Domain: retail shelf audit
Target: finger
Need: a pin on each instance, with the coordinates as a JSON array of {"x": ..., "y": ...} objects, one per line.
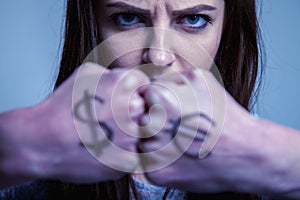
[
  {"x": 87, "y": 78},
  {"x": 124, "y": 92},
  {"x": 130, "y": 80},
  {"x": 161, "y": 94},
  {"x": 154, "y": 121},
  {"x": 182, "y": 77},
  {"x": 172, "y": 76},
  {"x": 136, "y": 106},
  {"x": 125, "y": 104},
  {"x": 158, "y": 152}
]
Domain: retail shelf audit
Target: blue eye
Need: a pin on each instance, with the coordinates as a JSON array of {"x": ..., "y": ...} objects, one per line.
[
  {"x": 195, "y": 21},
  {"x": 126, "y": 19}
]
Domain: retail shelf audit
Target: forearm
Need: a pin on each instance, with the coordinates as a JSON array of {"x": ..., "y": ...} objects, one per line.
[
  {"x": 284, "y": 144},
  {"x": 278, "y": 149}
]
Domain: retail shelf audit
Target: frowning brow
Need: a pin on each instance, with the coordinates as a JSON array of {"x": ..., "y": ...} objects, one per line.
[
  {"x": 128, "y": 8},
  {"x": 194, "y": 9}
]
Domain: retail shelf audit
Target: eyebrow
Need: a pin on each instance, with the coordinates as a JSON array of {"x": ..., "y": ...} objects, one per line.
[
  {"x": 194, "y": 9},
  {"x": 127, "y": 7},
  {"x": 186, "y": 11}
]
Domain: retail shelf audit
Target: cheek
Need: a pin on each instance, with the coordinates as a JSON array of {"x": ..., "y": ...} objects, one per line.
[
  {"x": 210, "y": 44},
  {"x": 210, "y": 41},
  {"x": 211, "y": 48},
  {"x": 131, "y": 59},
  {"x": 201, "y": 55}
]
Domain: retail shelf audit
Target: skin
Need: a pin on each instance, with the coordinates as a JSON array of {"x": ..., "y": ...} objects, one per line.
[
  {"x": 167, "y": 15},
  {"x": 160, "y": 14},
  {"x": 37, "y": 138},
  {"x": 46, "y": 144},
  {"x": 205, "y": 31}
]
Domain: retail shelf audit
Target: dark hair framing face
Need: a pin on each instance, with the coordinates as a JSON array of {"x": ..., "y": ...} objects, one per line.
[
  {"x": 240, "y": 55},
  {"x": 237, "y": 58}
]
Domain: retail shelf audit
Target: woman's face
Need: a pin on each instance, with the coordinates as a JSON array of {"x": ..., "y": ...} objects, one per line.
[{"x": 200, "y": 20}]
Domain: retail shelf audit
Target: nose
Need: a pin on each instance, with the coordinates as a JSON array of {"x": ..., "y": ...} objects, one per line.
[
  {"x": 159, "y": 54},
  {"x": 159, "y": 57}
]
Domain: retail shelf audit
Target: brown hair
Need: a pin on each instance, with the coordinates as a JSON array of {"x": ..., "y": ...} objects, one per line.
[
  {"x": 240, "y": 52},
  {"x": 237, "y": 60}
]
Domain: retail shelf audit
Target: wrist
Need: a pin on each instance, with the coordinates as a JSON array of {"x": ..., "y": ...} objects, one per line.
[
  {"x": 261, "y": 157},
  {"x": 16, "y": 163},
  {"x": 40, "y": 146},
  {"x": 282, "y": 162},
  {"x": 269, "y": 165},
  {"x": 250, "y": 156}
]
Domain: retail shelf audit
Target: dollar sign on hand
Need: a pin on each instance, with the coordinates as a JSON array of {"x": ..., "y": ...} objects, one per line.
[
  {"x": 97, "y": 144},
  {"x": 181, "y": 126}
]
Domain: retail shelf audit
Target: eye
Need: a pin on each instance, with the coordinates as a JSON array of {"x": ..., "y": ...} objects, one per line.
[
  {"x": 127, "y": 20},
  {"x": 195, "y": 22}
]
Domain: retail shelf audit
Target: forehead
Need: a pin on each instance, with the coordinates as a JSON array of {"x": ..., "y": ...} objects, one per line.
[{"x": 168, "y": 4}]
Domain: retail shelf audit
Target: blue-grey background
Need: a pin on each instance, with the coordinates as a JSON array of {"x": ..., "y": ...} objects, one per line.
[{"x": 30, "y": 42}]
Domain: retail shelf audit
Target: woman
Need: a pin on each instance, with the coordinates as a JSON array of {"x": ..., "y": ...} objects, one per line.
[
  {"x": 228, "y": 31},
  {"x": 234, "y": 12}
]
